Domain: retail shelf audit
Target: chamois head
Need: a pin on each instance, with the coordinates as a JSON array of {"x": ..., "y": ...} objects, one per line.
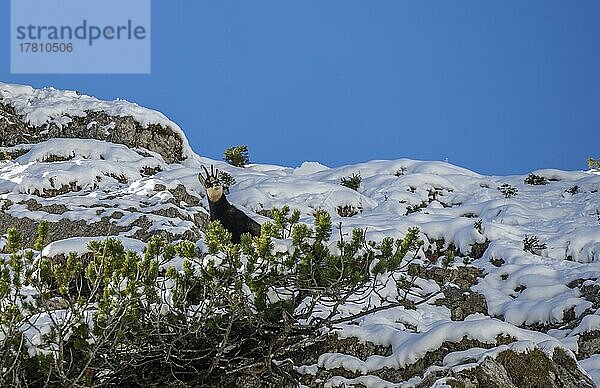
[{"x": 214, "y": 189}]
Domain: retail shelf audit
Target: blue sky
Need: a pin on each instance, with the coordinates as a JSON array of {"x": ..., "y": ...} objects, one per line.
[{"x": 499, "y": 87}]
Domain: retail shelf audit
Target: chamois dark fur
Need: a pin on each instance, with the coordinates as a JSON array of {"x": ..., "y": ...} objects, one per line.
[{"x": 233, "y": 219}]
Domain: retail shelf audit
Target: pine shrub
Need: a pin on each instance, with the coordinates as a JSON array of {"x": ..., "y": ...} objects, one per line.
[
  {"x": 114, "y": 317},
  {"x": 237, "y": 156},
  {"x": 226, "y": 181},
  {"x": 593, "y": 164},
  {"x": 536, "y": 180},
  {"x": 533, "y": 245},
  {"x": 352, "y": 181},
  {"x": 508, "y": 191}
]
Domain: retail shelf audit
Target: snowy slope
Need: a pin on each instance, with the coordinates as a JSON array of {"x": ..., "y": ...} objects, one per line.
[
  {"x": 543, "y": 300},
  {"x": 536, "y": 291}
]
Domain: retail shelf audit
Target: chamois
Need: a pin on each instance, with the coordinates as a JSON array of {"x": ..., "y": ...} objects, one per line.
[{"x": 234, "y": 220}]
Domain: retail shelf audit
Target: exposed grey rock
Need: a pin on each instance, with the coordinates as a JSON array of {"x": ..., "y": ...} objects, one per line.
[
  {"x": 462, "y": 302},
  {"x": 54, "y": 192},
  {"x": 490, "y": 373},
  {"x": 144, "y": 234},
  {"x": 55, "y": 208},
  {"x": 495, "y": 375},
  {"x": 59, "y": 230},
  {"x": 478, "y": 249},
  {"x": 588, "y": 343},
  {"x": 181, "y": 195},
  {"x": 463, "y": 276},
  {"x": 591, "y": 292}
]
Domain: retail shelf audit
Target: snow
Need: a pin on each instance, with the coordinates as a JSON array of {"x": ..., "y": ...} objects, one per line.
[
  {"x": 79, "y": 149},
  {"x": 592, "y": 367},
  {"x": 96, "y": 165},
  {"x": 308, "y": 168},
  {"x": 588, "y": 323},
  {"x": 79, "y": 245},
  {"x": 527, "y": 291},
  {"x": 407, "y": 347},
  {"x": 367, "y": 381}
]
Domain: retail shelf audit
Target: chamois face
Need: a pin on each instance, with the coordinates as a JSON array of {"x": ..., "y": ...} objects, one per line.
[{"x": 214, "y": 189}]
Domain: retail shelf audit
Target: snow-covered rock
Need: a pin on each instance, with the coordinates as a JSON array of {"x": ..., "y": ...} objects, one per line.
[
  {"x": 29, "y": 115},
  {"x": 95, "y": 169}
]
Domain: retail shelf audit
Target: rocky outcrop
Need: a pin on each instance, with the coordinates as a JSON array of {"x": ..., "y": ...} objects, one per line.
[
  {"x": 523, "y": 370},
  {"x": 94, "y": 125},
  {"x": 507, "y": 368}
]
